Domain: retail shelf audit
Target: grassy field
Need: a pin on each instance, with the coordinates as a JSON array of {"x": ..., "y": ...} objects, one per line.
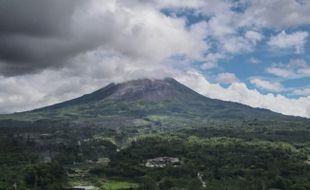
[{"x": 115, "y": 185}]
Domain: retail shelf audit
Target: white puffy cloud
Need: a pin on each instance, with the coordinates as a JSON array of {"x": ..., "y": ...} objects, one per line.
[
  {"x": 210, "y": 61},
  {"x": 275, "y": 13},
  {"x": 254, "y": 36},
  {"x": 239, "y": 92},
  {"x": 142, "y": 32},
  {"x": 226, "y": 78},
  {"x": 301, "y": 91},
  {"x": 223, "y": 28},
  {"x": 296, "y": 68},
  {"x": 295, "y": 40},
  {"x": 236, "y": 45},
  {"x": 208, "y": 65},
  {"x": 26, "y": 92},
  {"x": 267, "y": 85},
  {"x": 253, "y": 60}
]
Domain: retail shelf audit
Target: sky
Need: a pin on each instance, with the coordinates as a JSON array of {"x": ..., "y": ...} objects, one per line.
[{"x": 256, "y": 52}]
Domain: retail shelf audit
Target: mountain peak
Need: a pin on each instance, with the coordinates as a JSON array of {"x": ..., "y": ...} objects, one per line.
[
  {"x": 149, "y": 90},
  {"x": 152, "y": 96},
  {"x": 146, "y": 89}
]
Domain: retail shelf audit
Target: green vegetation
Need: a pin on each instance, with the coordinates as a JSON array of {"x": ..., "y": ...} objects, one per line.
[
  {"x": 115, "y": 185},
  {"x": 224, "y": 163},
  {"x": 235, "y": 155},
  {"x": 106, "y": 143}
]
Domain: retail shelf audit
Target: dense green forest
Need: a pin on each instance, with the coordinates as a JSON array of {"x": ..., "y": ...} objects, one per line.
[
  {"x": 126, "y": 136},
  {"x": 249, "y": 155}
]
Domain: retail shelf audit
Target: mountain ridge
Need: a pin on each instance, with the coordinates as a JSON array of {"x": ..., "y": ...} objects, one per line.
[
  {"x": 144, "y": 98},
  {"x": 121, "y": 91}
]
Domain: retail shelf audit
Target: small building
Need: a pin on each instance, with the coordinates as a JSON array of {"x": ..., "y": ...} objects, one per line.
[
  {"x": 81, "y": 188},
  {"x": 161, "y": 162}
]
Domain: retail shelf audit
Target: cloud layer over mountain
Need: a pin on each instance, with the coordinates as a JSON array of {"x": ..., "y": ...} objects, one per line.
[{"x": 55, "y": 50}]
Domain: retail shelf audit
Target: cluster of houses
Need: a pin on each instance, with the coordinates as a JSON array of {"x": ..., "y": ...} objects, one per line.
[
  {"x": 161, "y": 162},
  {"x": 81, "y": 188}
]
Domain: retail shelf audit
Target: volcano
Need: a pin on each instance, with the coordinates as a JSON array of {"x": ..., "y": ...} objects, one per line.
[{"x": 148, "y": 98}]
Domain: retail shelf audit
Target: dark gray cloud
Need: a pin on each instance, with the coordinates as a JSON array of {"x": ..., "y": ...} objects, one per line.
[
  {"x": 36, "y": 34},
  {"x": 36, "y": 17}
]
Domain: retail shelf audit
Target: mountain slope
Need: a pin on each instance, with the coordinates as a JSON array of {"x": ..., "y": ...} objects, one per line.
[{"x": 144, "y": 98}]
